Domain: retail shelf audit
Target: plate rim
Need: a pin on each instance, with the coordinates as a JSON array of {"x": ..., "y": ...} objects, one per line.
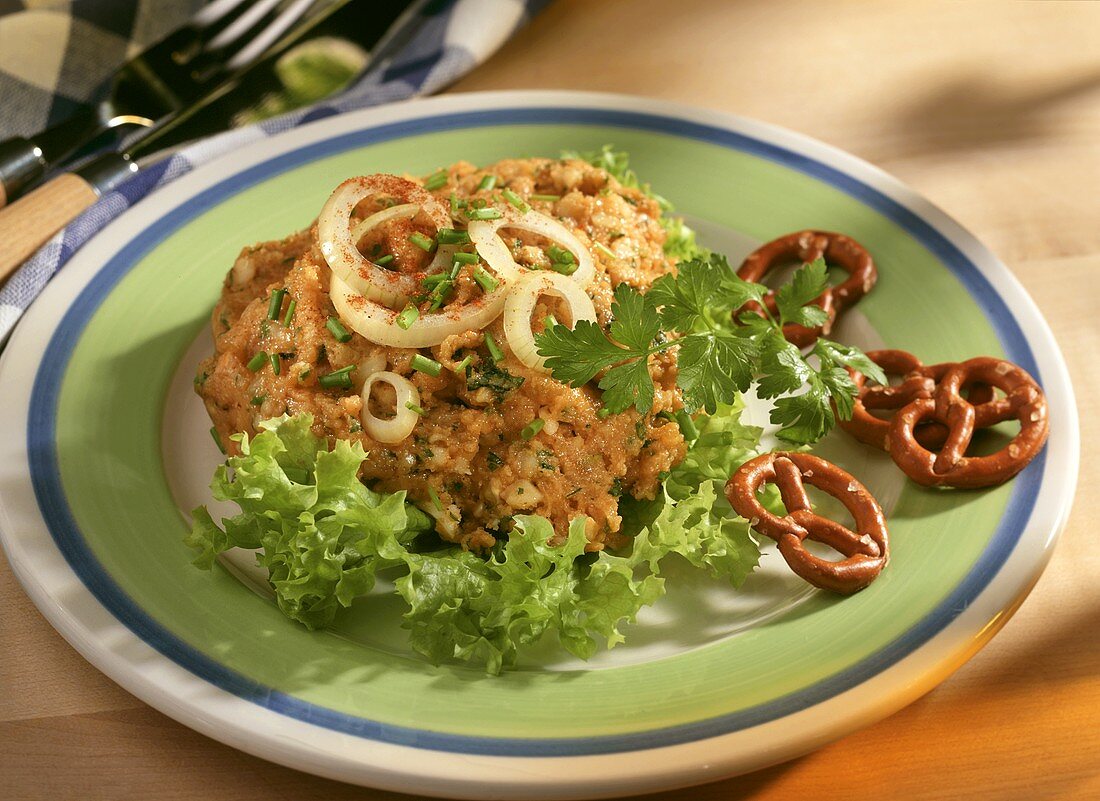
[{"x": 1032, "y": 330}]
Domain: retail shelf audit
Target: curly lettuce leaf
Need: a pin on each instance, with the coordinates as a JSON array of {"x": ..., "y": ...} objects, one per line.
[
  {"x": 323, "y": 536},
  {"x": 486, "y": 610},
  {"x": 320, "y": 532},
  {"x": 692, "y": 516}
]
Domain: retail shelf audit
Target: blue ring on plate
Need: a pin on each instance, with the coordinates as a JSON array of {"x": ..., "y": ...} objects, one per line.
[{"x": 55, "y": 509}]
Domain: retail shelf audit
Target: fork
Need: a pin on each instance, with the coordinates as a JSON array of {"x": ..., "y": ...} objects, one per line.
[{"x": 220, "y": 40}]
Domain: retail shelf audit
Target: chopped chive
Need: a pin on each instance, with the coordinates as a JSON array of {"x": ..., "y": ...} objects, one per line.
[
  {"x": 600, "y": 246},
  {"x": 423, "y": 364},
  {"x": 384, "y": 260},
  {"x": 456, "y": 268},
  {"x": 687, "y": 426},
  {"x": 257, "y": 400},
  {"x": 487, "y": 183},
  {"x": 424, "y": 243},
  {"x": 290, "y": 307},
  {"x": 337, "y": 378},
  {"x": 257, "y": 361},
  {"x": 516, "y": 200},
  {"x": 412, "y": 407},
  {"x": 563, "y": 268},
  {"x": 456, "y": 203},
  {"x": 217, "y": 439},
  {"x": 435, "y": 499},
  {"x": 433, "y": 280},
  {"x": 462, "y": 366},
  {"x": 483, "y": 214},
  {"x": 276, "y": 365},
  {"x": 466, "y": 258},
  {"x": 452, "y": 236},
  {"x": 337, "y": 329},
  {"x": 560, "y": 254},
  {"x": 302, "y": 376},
  {"x": 494, "y": 349},
  {"x": 603, "y": 413},
  {"x": 487, "y": 282},
  {"x": 407, "y": 317},
  {"x": 276, "y": 304},
  {"x": 436, "y": 180},
  {"x": 532, "y": 428},
  {"x": 547, "y": 198}
]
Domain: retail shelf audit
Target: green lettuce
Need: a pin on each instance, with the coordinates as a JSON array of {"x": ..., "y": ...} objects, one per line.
[
  {"x": 485, "y": 610},
  {"x": 323, "y": 536},
  {"x": 319, "y": 531}
]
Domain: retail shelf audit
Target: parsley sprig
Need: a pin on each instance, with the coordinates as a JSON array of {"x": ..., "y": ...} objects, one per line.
[{"x": 717, "y": 356}]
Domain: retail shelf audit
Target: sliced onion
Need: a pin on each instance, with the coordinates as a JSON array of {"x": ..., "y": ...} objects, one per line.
[
  {"x": 484, "y": 234},
  {"x": 338, "y": 243},
  {"x": 378, "y": 324},
  {"x": 395, "y": 429},
  {"x": 406, "y": 211},
  {"x": 521, "y": 303}
]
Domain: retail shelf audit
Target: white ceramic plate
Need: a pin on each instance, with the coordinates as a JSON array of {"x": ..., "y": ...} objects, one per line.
[{"x": 105, "y": 449}]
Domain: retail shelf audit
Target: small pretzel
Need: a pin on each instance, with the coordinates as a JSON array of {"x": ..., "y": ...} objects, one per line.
[
  {"x": 806, "y": 246},
  {"x": 918, "y": 381},
  {"x": 950, "y": 465},
  {"x": 866, "y": 550}
]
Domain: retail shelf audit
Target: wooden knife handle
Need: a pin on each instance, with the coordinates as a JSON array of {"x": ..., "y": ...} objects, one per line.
[{"x": 26, "y": 224}]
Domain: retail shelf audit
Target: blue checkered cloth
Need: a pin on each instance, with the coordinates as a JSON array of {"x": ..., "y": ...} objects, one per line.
[{"x": 455, "y": 36}]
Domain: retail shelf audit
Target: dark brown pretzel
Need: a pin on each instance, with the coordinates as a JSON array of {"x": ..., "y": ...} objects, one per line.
[
  {"x": 806, "y": 246},
  {"x": 866, "y": 550},
  {"x": 950, "y": 466},
  {"x": 918, "y": 381}
]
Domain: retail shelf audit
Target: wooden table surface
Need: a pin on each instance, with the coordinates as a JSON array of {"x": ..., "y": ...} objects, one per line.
[{"x": 992, "y": 110}]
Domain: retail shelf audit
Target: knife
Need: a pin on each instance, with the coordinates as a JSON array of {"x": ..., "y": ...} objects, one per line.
[{"x": 380, "y": 30}]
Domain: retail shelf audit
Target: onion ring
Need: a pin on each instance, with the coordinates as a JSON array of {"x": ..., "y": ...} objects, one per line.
[
  {"x": 485, "y": 236},
  {"x": 521, "y": 303},
  {"x": 338, "y": 243},
  {"x": 378, "y": 324},
  {"x": 395, "y": 429}
]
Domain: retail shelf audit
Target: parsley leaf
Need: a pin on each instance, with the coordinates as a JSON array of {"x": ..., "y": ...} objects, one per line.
[
  {"x": 717, "y": 358},
  {"x": 702, "y": 286},
  {"x": 809, "y": 281},
  {"x": 782, "y": 368},
  {"x": 713, "y": 369},
  {"x": 635, "y": 323},
  {"x": 575, "y": 356},
  {"x": 628, "y": 385},
  {"x": 804, "y": 418},
  {"x": 833, "y": 352}
]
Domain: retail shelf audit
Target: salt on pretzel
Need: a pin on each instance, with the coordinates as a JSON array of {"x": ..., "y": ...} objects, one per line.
[
  {"x": 917, "y": 381},
  {"x": 950, "y": 466},
  {"x": 804, "y": 247},
  {"x": 865, "y": 550}
]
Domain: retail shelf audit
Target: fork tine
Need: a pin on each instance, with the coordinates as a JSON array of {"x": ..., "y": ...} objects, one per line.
[
  {"x": 242, "y": 25},
  {"x": 214, "y": 12},
  {"x": 267, "y": 37}
]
